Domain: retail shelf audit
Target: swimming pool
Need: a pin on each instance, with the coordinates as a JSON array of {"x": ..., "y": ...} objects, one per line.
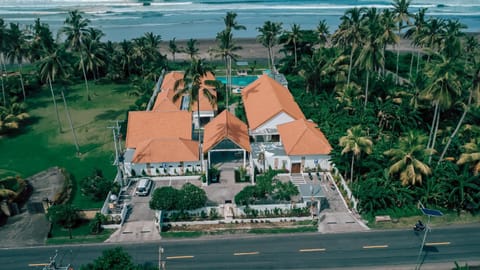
[{"x": 240, "y": 81}]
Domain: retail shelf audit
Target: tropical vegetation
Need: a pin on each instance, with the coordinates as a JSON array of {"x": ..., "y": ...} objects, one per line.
[{"x": 403, "y": 125}]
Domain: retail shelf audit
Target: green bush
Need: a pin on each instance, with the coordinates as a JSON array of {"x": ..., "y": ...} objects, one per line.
[{"x": 190, "y": 197}]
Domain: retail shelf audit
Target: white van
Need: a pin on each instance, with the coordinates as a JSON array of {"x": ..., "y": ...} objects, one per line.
[{"x": 143, "y": 187}]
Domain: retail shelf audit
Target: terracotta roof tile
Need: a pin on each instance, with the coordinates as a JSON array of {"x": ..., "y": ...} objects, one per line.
[
  {"x": 226, "y": 125},
  {"x": 164, "y": 105},
  {"x": 168, "y": 91},
  {"x": 302, "y": 137},
  {"x": 266, "y": 98},
  {"x": 143, "y": 125},
  {"x": 166, "y": 150}
]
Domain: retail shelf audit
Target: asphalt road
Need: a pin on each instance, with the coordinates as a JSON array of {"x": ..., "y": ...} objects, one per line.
[{"x": 295, "y": 251}]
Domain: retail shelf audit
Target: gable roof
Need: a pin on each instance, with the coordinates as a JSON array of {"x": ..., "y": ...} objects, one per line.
[
  {"x": 143, "y": 125},
  {"x": 266, "y": 98},
  {"x": 166, "y": 150},
  {"x": 226, "y": 126},
  {"x": 302, "y": 137},
  {"x": 168, "y": 91}
]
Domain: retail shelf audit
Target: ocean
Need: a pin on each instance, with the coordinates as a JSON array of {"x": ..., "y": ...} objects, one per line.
[{"x": 202, "y": 19}]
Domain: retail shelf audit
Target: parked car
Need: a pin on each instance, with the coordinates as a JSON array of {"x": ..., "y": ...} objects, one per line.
[{"x": 143, "y": 187}]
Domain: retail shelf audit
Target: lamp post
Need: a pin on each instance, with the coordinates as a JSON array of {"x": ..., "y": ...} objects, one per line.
[{"x": 429, "y": 213}]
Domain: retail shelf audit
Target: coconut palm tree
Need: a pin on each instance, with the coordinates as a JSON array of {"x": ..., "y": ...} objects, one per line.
[
  {"x": 226, "y": 50},
  {"x": 443, "y": 88},
  {"x": 349, "y": 34},
  {"x": 17, "y": 50},
  {"x": 50, "y": 66},
  {"x": 192, "y": 48},
  {"x": 388, "y": 35},
  {"x": 323, "y": 33},
  {"x": 268, "y": 37},
  {"x": 451, "y": 45},
  {"x": 400, "y": 8},
  {"x": 94, "y": 52},
  {"x": 408, "y": 158},
  {"x": 415, "y": 33},
  {"x": 371, "y": 57},
  {"x": 191, "y": 86},
  {"x": 355, "y": 142},
  {"x": 53, "y": 66},
  {"x": 230, "y": 22},
  {"x": 474, "y": 94},
  {"x": 3, "y": 42},
  {"x": 76, "y": 32},
  {"x": 41, "y": 39},
  {"x": 173, "y": 48},
  {"x": 11, "y": 116},
  {"x": 471, "y": 155},
  {"x": 125, "y": 57},
  {"x": 293, "y": 36}
]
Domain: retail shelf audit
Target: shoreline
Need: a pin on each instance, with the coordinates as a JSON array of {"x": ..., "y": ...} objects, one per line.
[{"x": 252, "y": 50}]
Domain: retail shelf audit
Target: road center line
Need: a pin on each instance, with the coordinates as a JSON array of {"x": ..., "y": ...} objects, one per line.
[
  {"x": 245, "y": 253},
  {"x": 38, "y": 264},
  {"x": 312, "y": 250},
  {"x": 437, "y": 244},
  {"x": 180, "y": 257},
  {"x": 379, "y": 246}
]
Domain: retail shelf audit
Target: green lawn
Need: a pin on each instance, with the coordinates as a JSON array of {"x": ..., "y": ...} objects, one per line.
[
  {"x": 40, "y": 145},
  {"x": 80, "y": 234}
]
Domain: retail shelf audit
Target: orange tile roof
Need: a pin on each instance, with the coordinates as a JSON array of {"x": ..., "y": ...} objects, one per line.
[
  {"x": 143, "y": 125},
  {"x": 166, "y": 150},
  {"x": 164, "y": 105},
  {"x": 226, "y": 126},
  {"x": 302, "y": 137},
  {"x": 266, "y": 98},
  {"x": 168, "y": 91}
]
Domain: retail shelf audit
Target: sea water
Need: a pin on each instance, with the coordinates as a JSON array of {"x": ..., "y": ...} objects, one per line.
[{"x": 199, "y": 19}]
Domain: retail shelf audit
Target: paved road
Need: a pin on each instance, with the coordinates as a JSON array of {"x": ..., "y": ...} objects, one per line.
[{"x": 297, "y": 251}]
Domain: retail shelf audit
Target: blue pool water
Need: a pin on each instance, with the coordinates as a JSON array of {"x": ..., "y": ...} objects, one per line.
[{"x": 240, "y": 81}]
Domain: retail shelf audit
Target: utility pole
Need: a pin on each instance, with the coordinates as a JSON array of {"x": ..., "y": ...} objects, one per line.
[{"x": 118, "y": 148}]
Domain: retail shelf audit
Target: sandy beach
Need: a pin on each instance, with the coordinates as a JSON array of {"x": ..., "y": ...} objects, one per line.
[{"x": 251, "y": 49}]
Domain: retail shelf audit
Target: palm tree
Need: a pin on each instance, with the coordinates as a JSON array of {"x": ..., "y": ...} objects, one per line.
[
  {"x": 226, "y": 49},
  {"x": 357, "y": 143},
  {"x": 76, "y": 33},
  {"x": 388, "y": 36},
  {"x": 443, "y": 88},
  {"x": 474, "y": 93},
  {"x": 94, "y": 52},
  {"x": 268, "y": 37},
  {"x": 471, "y": 155},
  {"x": 400, "y": 8},
  {"x": 451, "y": 45},
  {"x": 371, "y": 57},
  {"x": 40, "y": 38},
  {"x": 349, "y": 33},
  {"x": 408, "y": 158},
  {"x": 125, "y": 57},
  {"x": 17, "y": 50},
  {"x": 192, "y": 86},
  {"x": 192, "y": 48},
  {"x": 322, "y": 32},
  {"x": 293, "y": 36},
  {"x": 415, "y": 32},
  {"x": 11, "y": 116},
  {"x": 53, "y": 66},
  {"x": 49, "y": 67},
  {"x": 230, "y": 22},
  {"x": 172, "y": 46}
]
